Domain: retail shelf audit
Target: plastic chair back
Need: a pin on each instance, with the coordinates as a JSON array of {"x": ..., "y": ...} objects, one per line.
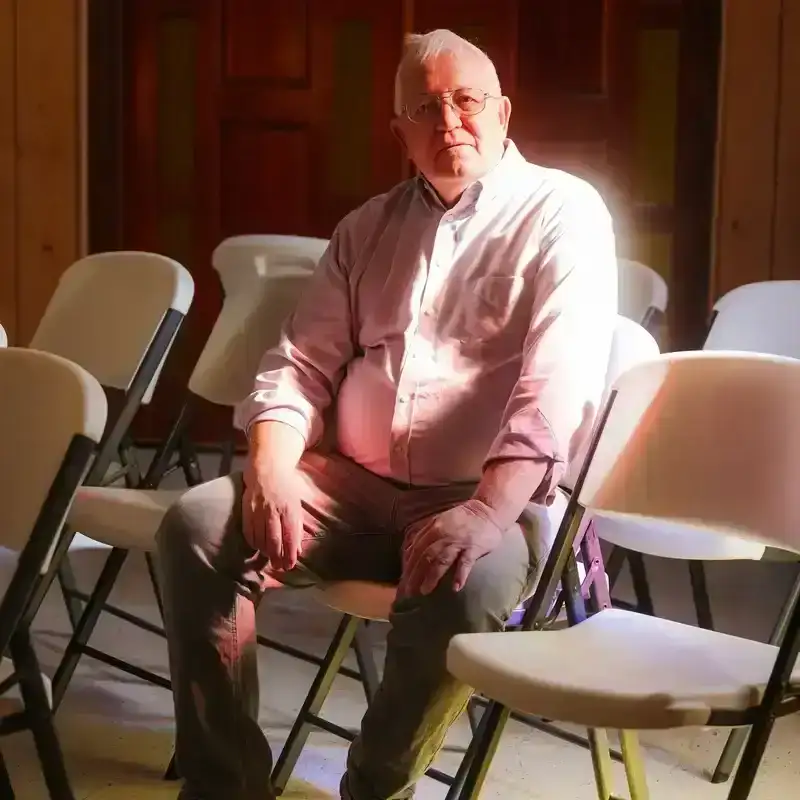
[
  {"x": 262, "y": 278},
  {"x": 107, "y": 309},
  {"x": 701, "y": 451}
]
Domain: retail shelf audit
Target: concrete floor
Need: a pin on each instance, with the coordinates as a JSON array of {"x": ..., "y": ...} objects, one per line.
[{"x": 117, "y": 731}]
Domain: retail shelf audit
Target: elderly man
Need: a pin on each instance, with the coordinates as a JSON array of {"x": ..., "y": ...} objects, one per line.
[{"x": 445, "y": 360}]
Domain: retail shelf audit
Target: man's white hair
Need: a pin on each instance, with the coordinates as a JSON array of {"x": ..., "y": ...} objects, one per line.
[{"x": 423, "y": 47}]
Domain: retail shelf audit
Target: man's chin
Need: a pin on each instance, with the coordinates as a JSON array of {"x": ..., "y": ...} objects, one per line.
[{"x": 456, "y": 162}]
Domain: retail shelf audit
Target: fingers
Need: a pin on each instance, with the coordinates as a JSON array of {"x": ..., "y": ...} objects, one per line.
[
  {"x": 464, "y": 565},
  {"x": 254, "y": 526},
  {"x": 273, "y": 544},
  {"x": 437, "y": 569},
  {"x": 248, "y": 520},
  {"x": 292, "y": 536},
  {"x": 422, "y": 573}
]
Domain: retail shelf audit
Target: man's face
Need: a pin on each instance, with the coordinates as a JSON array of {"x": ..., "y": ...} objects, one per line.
[{"x": 450, "y": 144}]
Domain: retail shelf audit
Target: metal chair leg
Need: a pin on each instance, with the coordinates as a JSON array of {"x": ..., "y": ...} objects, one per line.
[
  {"x": 69, "y": 588},
  {"x": 614, "y": 565},
  {"x": 634, "y": 765},
  {"x": 187, "y": 455},
  {"x": 87, "y": 624},
  {"x": 365, "y": 658},
  {"x": 172, "y": 773},
  {"x": 601, "y": 762},
  {"x": 702, "y": 602},
  {"x": 738, "y": 736},
  {"x": 481, "y": 752},
  {"x": 474, "y": 715},
  {"x": 6, "y": 789},
  {"x": 320, "y": 689},
  {"x": 152, "y": 571},
  {"x": 641, "y": 587},
  {"x": 40, "y": 716}
]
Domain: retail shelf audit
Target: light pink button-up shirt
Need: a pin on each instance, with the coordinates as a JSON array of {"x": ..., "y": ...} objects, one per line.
[{"x": 439, "y": 339}]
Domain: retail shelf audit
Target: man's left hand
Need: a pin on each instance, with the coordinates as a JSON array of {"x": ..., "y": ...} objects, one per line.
[{"x": 454, "y": 539}]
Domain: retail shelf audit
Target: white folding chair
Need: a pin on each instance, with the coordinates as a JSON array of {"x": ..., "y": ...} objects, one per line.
[
  {"x": 261, "y": 283},
  {"x": 46, "y": 451},
  {"x": 642, "y": 294},
  {"x": 116, "y": 315},
  {"x": 760, "y": 318},
  {"x": 628, "y": 671},
  {"x": 363, "y": 601}
]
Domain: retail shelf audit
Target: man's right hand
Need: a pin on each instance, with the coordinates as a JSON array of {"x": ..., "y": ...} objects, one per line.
[{"x": 272, "y": 512}]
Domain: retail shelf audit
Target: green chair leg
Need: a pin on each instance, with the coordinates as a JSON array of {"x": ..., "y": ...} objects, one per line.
[
  {"x": 631, "y": 758},
  {"x": 634, "y": 765}
]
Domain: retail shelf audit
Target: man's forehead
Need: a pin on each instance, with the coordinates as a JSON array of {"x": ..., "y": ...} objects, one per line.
[{"x": 449, "y": 71}]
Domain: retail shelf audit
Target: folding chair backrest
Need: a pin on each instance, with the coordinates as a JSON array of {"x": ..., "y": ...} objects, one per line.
[
  {"x": 759, "y": 317},
  {"x": 107, "y": 310},
  {"x": 52, "y": 415},
  {"x": 701, "y": 444},
  {"x": 262, "y": 278},
  {"x": 3, "y": 337},
  {"x": 642, "y": 292},
  {"x": 631, "y": 345}
]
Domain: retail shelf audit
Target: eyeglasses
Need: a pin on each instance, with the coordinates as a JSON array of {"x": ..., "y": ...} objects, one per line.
[{"x": 465, "y": 102}]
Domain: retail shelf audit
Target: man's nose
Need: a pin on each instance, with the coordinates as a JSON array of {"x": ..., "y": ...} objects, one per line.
[{"x": 448, "y": 117}]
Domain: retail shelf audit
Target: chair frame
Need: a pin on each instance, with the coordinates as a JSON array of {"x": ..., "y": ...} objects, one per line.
[
  {"x": 354, "y": 632},
  {"x": 777, "y": 701},
  {"x": 705, "y": 619},
  {"x": 18, "y": 608},
  {"x": 115, "y": 437}
]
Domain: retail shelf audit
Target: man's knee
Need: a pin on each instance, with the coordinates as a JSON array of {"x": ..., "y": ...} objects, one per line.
[
  {"x": 196, "y": 524},
  {"x": 495, "y": 586}
]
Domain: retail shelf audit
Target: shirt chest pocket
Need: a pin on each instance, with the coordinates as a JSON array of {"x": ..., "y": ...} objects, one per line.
[{"x": 491, "y": 310}]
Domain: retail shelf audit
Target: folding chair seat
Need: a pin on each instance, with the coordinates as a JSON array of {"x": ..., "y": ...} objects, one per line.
[
  {"x": 628, "y": 671},
  {"x": 46, "y": 453}
]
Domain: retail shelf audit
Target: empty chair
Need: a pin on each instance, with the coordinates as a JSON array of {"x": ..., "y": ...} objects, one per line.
[
  {"x": 261, "y": 277},
  {"x": 758, "y": 317},
  {"x": 643, "y": 294},
  {"x": 261, "y": 283},
  {"x": 629, "y": 671},
  {"x": 45, "y": 453},
  {"x": 360, "y": 601},
  {"x": 116, "y": 315}
]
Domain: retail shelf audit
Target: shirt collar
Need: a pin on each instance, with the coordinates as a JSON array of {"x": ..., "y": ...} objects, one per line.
[{"x": 485, "y": 189}]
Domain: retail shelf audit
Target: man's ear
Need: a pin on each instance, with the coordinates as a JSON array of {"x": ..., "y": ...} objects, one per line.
[
  {"x": 505, "y": 112},
  {"x": 397, "y": 131}
]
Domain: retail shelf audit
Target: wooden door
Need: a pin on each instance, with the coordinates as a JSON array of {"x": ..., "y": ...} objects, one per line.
[
  {"x": 251, "y": 116},
  {"x": 268, "y": 116}
]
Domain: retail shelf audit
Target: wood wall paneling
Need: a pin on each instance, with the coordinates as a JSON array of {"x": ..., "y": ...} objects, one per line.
[
  {"x": 256, "y": 158},
  {"x": 8, "y": 168},
  {"x": 266, "y": 40},
  {"x": 49, "y": 171},
  {"x": 747, "y": 163},
  {"x": 786, "y": 229}
]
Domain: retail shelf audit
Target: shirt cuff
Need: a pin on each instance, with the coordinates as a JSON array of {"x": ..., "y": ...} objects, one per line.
[{"x": 310, "y": 431}]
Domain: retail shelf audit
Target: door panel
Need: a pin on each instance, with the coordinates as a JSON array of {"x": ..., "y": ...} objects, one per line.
[{"x": 267, "y": 116}]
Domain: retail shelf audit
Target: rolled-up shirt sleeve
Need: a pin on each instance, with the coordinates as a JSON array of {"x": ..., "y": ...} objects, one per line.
[
  {"x": 553, "y": 405},
  {"x": 298, "y": 378}
]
